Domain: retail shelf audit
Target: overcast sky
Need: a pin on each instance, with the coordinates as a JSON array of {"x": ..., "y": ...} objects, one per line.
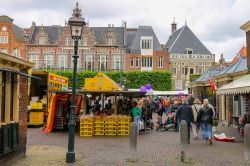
[{"x": 215, "y": 22}]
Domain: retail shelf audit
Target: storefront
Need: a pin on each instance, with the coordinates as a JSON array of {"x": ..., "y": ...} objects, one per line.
[
  {"x": 13, "y": 107},
  {"x": 239, "y": 90}
]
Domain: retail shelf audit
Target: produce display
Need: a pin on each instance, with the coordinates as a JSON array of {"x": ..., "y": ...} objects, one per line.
[{"x": 105, "y": 125}]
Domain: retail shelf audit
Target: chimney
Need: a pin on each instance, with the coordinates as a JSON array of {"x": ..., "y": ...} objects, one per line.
[
  {"x": 246, "y": 28},
  {"x": 173, "y": 26}
]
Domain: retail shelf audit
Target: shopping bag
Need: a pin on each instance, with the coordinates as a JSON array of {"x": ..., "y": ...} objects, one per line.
[{"x": 141, "y": 125}]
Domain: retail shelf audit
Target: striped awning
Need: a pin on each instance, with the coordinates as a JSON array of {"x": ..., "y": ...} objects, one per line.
[{"x": 239, "y": 86}]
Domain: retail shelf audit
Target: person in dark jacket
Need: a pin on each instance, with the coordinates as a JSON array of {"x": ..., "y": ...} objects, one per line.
[
  {"x": 190, "y": 100},
  {"x": 205, "y": 118},
  {"x": 184, "y": 112}
]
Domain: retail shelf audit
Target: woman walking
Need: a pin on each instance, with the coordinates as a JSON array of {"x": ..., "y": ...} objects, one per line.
[
  {"x": 205, "y": 118},
  {"x": 136, "y": 113},
  {"x": 196, "y": 108}
]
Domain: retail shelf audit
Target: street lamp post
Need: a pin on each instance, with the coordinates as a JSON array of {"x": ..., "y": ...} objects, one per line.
[{"x": 76, "y": 23}]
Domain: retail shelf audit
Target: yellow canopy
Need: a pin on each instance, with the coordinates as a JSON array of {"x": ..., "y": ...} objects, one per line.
[{"x": 101, "y": 82}]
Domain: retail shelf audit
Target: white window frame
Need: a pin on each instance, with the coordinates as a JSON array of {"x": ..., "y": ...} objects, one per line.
[
  {"x": 89, "y": 61},
  {"x": 3, "y": 39},
  {"x": 67, "y": 41},
  {"x": 103, "y": 61},
  {"x": 146, "y": 45},
  {"x": 110, "y": 41},
  {"x": 137, "y": 62},
  {"x": 42, "y": 40},
  {"x": 34, "y": 58},
  {"x": 48, "y": 60},
  {"x": 131, "y": 62},
  {"x": 16, "y": 52},
  {"x": 116, "y": 62},
  {"x": 147, "y": 62},
  {"x": 160, "y": 62},
  {"x": 62, "y": 61}
]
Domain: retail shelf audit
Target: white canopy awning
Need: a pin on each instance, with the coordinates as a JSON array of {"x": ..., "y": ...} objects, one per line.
[{"x": 239, "y": 86}]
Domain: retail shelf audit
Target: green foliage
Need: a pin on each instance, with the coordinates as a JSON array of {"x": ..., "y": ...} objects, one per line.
[
  {"x": 193, "y": 77},
  {"x": 160, "y": 80}
]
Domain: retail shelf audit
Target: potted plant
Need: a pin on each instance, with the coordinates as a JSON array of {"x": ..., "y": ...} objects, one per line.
[{"x": 214, "y": 125}]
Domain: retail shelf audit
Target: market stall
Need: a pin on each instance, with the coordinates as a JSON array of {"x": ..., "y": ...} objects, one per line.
[{"x": 105, "y": 121}]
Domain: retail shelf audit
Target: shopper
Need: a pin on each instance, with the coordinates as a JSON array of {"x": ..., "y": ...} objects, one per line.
[
  {"x": 184, "y": 112},
  {"x": 196, "y": 108},
  {"x": 160, "y": 108},
  {"x": 190, "y": 100},
  {"x": 205, "y": 118},
  {"x": 136, "y": 113}
]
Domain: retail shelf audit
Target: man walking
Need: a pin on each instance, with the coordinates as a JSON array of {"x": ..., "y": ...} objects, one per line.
[{"x": 184, "y": 112}]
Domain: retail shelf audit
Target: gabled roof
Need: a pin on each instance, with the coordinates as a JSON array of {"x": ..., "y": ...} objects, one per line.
[
  {"x": 19, "y": 32},
  {"x": 241, "y": 65},
  {"x": 134, "y": 39},
  {"x": 184, "y": 38},
  {"x": 52, "y": 32},
  {"x": 100, "y": 32}
]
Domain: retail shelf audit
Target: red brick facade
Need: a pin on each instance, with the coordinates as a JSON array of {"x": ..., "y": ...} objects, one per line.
[{"x": 7, "y": 28}]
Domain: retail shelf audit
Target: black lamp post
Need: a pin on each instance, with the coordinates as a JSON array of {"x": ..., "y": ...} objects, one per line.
[{"x": 76, "y": 23}]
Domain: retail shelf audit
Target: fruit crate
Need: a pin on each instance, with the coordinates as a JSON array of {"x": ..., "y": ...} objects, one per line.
[
  {"x": 110, "y": 133},
  {"x": 36, "y": 117},
  {"x": 124, "y": 120},
  {"x": 110, "y": 125},
  {"x": 110, "y": 128},
  {"x": 99, "y": 128},
  {"x": 88, "y": 120},
  {"x": 82, "y": 125},
  {"x": 98, "y": 125},
  {"x": 86, "y": 129},
  {"x": 86, "y": 133},
  {"x": 122, "y": 133},
  {"x": 98, "y": 133},
  {"x": 123, "y": 128},
  {"x": 110, "y": 120},
  {"x": 99, "y": 120},
  {"x": 123, "y": 124}
]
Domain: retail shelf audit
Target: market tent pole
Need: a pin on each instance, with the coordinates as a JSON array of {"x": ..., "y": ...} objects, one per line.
[
  {"x": 84, "y": 103},
  {"x": 115, "y": 103}
]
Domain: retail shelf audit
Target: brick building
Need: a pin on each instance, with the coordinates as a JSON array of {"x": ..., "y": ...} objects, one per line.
[
  {"x": 101, "y": 48},
  {"x": 13, "y": 107},
  {"x": 188, "y": 55},
  {"x": 13, "y": 39}
]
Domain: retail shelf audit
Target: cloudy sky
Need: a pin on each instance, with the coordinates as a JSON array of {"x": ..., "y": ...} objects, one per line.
[{"x": 215, "y": 22}]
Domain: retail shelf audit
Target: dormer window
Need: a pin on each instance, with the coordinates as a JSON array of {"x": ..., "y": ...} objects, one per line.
[
  {"x": 189, "y": 52},
  {"x": 42, "y": 40},
  {"x": 146, "y": 45},
  {"x": 110, "y": 41}
]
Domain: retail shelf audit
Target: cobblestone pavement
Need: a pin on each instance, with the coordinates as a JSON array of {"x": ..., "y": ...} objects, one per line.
[{"x": 154, "y": 148}]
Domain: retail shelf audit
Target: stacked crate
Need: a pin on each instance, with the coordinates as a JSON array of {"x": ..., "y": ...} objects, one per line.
[
  {"x": 123, "y": 125},
  {"x": 86, "y": 126},
  {"x": 98, "y": 125},
  {"x": 110, "y": 125}
]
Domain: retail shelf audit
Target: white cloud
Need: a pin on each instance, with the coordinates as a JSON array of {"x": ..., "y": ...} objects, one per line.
[{"x": 215, "y": 22}]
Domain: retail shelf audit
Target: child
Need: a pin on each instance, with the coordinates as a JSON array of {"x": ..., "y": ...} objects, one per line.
[{"x": 158, "y": 124}]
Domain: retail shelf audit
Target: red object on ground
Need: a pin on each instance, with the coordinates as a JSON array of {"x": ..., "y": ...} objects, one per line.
[{"x": 223, "y": 137}]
